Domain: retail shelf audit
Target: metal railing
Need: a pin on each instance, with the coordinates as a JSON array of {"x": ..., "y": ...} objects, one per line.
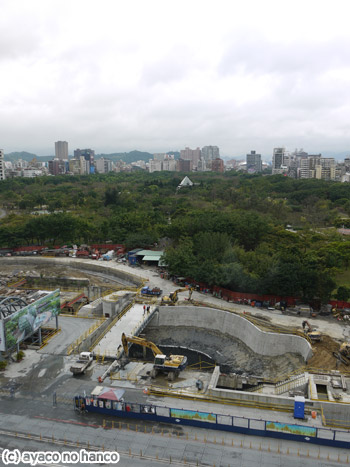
[
  {"x": 75, "y": 345},
  {"x": 109, "y": 327}
]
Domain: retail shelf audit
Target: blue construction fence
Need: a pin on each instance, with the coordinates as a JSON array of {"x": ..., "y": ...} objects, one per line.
[{"x": 213, "y": 421}]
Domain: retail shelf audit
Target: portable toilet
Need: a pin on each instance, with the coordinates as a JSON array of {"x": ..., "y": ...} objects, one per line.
[{"x": 299, "y": 407}]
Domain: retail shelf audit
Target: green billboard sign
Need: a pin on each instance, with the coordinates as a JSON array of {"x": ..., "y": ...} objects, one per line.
[{"x": 23, "y": 323}]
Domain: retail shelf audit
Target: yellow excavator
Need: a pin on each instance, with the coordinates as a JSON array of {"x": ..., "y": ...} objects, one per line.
[
  {"x": 315, "y": 336},
  {"x": 171, "y": 365},
  {"x": 343, "y": 354},
  {"x": 172, "y": 298}
]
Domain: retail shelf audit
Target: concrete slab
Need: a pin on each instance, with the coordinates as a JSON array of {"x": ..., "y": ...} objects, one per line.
[{"x": 128, "y": 324}]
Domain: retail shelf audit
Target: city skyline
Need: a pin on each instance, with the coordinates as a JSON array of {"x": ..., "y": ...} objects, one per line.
[{"x": 241, "y": 76}]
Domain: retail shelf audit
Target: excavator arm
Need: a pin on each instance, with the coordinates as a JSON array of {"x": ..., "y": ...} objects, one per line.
[{"x": 139, "y": 341}]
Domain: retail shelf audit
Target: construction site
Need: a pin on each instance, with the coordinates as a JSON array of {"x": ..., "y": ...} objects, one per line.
[{"x": 164, "y": 345}]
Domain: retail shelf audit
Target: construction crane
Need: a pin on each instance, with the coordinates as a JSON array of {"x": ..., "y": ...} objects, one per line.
[
  {"x": 173, "y": 298},
  {"x": 171, "y": 365},
  {"x": 314, "y": 335}
]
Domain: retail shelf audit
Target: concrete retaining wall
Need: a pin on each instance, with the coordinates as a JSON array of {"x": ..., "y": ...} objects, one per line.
[
  {"x": 87, "y": 343},
  {"x": 121, "y": 276},
  {"x": 115, "y": 307},
  {"x": 263, "y": 343}
]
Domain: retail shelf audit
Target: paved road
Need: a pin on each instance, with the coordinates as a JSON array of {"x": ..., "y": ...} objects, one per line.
[
  {"x": 71, "y": 329},
  {"x": 327, "y": 325},
  {"x": 62, "y": 429}
]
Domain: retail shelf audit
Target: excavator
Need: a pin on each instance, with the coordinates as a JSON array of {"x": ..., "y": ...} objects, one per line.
[
  {"x": 343, "y": 354},
  {"x": 173, "y": 298},
  {"x": 314, "y": 335},
  {"x": 171, "y": 365}
]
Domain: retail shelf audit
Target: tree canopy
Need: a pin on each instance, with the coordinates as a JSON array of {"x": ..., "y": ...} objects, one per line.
[{"x": 265, "y": 234}]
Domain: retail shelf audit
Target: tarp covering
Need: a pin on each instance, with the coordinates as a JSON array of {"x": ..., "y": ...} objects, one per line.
[
  {"x": 112, "y": 394},
  {"x": 149, "y": 253}
]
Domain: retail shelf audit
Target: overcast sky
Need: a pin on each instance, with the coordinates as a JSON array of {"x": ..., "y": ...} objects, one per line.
[{"x": 161, "y": 75}]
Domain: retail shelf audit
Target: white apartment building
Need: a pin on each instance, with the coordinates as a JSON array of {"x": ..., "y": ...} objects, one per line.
[
  {"x": 155, "y": 166},
  {"x": 169, "y": 165},
  {"x": 84, "y": 166},
  {"x": 103, "y": 165},
  {"x": 319, "y": 167}
]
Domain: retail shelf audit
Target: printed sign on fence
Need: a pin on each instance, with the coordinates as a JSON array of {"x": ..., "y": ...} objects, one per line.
[
  {"x": 193, "y": 415},
  {"x": 292, "y": 429}
]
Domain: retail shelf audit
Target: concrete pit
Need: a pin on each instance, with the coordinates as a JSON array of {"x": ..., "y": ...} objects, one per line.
[{"x": 230, "y": 353}]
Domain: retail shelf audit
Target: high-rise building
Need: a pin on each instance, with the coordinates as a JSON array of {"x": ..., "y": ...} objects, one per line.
[
  {"x": 86, "y": 157},
  {"x": 277, "y": 160},
  {"x": 159, "y": 156},
  {"x": 253, "y": 162},
  {"x": 210, "y": 153},
  {"x": 347, "y": 164},
  {"x": 155, "y": 165},
  {"x": 84, "y": 166},
  {"x": 61, "y": 150},
  {"x": 58, "y": 167},
  {"x": 103, "y": 165},
  {"x": 88, "y": 154},
  {"x": 217, "y": 165},
  {"x": 193, "y": 155},
  {"x": 281, "y": 161},
  {"x": 184, "y": 165},
  {"x": 2, "y": 165},
  {"x": 316, "y": 166},
  {"x": 169, "y": 164},
  {"x": 74, "y": 166}
]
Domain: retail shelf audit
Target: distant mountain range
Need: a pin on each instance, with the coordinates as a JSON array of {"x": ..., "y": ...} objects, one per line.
[
  {"x": 25, "y": 156},
  {"x": 127, "y": 157}
]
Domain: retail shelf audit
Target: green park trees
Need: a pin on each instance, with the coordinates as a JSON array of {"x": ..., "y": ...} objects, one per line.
[{"x": 250, "y": 233}]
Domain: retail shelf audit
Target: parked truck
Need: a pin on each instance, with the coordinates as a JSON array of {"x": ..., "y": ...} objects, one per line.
[
  {"x": 84, "y": 361},
  {"x": 148, "y": 291}
]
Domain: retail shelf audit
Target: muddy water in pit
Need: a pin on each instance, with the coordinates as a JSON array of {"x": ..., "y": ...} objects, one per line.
[{"x": 230, "y": 353}]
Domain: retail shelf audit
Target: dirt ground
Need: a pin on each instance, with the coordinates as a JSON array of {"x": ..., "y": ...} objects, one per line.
[{"x": 323, "y": 357}]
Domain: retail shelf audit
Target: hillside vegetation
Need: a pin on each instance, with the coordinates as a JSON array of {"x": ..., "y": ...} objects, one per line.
[{"x": 264, "y": 234}]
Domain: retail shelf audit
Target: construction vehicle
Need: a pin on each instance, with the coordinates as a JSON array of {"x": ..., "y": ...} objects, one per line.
[
  {"x": 345, "y": 349},
  {"x": 84, "y": 361},
  {"x": 343, "y": 355},
  {"x": 313, "y": 334},
  {"x": 171, "y": 365},
  {"x": 148, "y": 291},
  {"x": 173, "y": 298}
]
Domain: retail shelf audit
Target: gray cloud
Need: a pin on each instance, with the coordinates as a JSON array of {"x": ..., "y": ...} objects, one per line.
[{"x": 147, "y": 76}]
